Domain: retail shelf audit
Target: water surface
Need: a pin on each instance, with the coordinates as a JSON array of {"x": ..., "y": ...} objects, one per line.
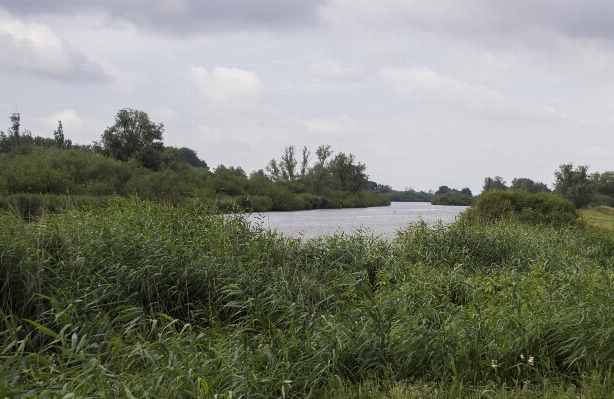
[{"x": 381, "y": 220}]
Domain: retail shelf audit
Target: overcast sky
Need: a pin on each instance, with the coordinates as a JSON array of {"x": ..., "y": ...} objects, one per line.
[{"x": 425, "y": 93}]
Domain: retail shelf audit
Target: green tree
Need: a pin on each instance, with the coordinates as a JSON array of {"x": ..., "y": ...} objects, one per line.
[
  {"x": 603, "y": 182},
  {"x": 59, "y": 139},
  {"x": 466, "y": 191},
  {"x": 574, "y": 185},
  {"x": 494, "y": 184},
  {"x": 288, "y": 164},
  {"x": 273, "y": 169},
  {"x": 443, "y": 190},
  {"x": 189, "y": 156},
  {"x": 134, "y": 136},
  {"x": 528, "y": 185},
  {"x": 305, "y": 162},
  {"x": 348, "y": 175}
]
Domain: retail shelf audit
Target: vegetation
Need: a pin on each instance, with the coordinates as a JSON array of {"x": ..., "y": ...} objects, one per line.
[
  {"x": 410, "y": 195},
  {"x": 536, "y": 209},
  {"x": 151, "y": 300},
  {"x": 601, "y": 216},
  {"x": 131, "y": 159},
  {"x": 574, "y": 184},
  {"x": 452, "y": 198}
]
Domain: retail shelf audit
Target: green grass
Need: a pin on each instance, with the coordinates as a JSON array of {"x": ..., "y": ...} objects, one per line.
[
  {"x": 601, "y": 216},
  {"x": 151, "y": 300}
]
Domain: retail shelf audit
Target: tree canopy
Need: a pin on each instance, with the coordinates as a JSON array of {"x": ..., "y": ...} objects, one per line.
[
  {"x": 574, "y": 185},
  {"x": 134, "y": 136}
]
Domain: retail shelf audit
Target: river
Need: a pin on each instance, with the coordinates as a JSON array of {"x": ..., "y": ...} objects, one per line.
[{"x": 382, "y": 220}]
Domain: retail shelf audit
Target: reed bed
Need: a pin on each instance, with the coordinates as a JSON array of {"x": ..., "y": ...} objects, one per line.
[{"x": 145, "y": 300}]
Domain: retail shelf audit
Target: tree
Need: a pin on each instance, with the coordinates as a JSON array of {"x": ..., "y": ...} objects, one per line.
[
  {"x": 134, "y": 136},
  {"x": 603, "y": 183},
  {"x": 494, "y": 184},
  {"x": 574, "y": 185},
  {"x": 189, "y": 156},
  {"x": 14, "y": 129},
  {"x": 348, "y": 176},
  {"x": 273, "y": 169},
  {"x": 528, "y": 185},
  {"x": 443, "y": 190},
  {"x": 466, "y": 191},
  {"x": 323, "y": 152},
  {"x": 59, "y": 139},
  {"x": 305, "y": 162},
  {"x": 288, "y": 164}
]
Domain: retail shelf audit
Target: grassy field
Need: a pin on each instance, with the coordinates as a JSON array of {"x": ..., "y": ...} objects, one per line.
[
  {"x": 602, "y": 216},
  {"x": 150, "y": 300}
]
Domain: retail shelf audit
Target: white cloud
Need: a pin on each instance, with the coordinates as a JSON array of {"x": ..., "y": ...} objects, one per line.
[
  {"x": 227, "y": 85},
  {"x": 35, "y": 48},
  {"x": 76, "y": 128},
  {"x": 426, "y": 86},
  {"x": 335, "y": 127},
  {"x": 329, "y": 70},
  {"x": 126, "y": 83}
]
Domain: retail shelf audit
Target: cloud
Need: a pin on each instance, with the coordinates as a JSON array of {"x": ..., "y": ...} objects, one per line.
[
  {"x": 231, "y": 86},
  {"x": 341, "y": 126},
  {"x": 127, "y": 83},
  {"x": 332, "y": 71},
  {"x": 75, "y": 128},
  {"x": 477, "y": 18},
  {"x": 426, "y": 86},
  {"x": 180, "y": 17},
  {"x": 35, "y": 48}
]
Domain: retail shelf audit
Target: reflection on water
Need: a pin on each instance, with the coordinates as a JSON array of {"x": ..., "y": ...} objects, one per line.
[{"x": 382, "y": 220}]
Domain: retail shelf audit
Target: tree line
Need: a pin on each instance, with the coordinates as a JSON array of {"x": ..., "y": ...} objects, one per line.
[
  {"x": 572, "y": 183},
  {"x": 131, "y": 159}
]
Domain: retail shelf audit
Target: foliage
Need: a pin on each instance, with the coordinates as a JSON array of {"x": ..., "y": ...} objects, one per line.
[
  {"x": 574, "y": 185},
  {"x": 601, "y": 216},
  {"x": 148, "y": 300},
  {"x": 31, "y": 206},
  {"x": 410, "y": 195},
  {"x": 541, "y": 208},
  {"x": 134, "y": 136},
  {"x": 339, "y": 172},
  {"x": 190, "y": 157},
  {"x": 137, "y": 163},
  {"x": 493, "y": 184},
  {"x": 452, "y": 198},
  {"x": 528, "y": 185}
]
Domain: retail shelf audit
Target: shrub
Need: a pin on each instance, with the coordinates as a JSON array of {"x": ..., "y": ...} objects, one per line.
[
  {"x": 452, "y": 198},
  {"x": 542, "y": 208}
]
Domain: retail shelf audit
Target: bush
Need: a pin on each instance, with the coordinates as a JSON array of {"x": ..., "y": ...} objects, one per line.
[
  {"x": 35, "y": 205},
  {"x": 452, "y": 198},
  {"x": 542, "y": 208}
]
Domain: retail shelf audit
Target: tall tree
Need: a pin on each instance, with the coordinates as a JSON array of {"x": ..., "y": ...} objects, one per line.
[
  {"x": 134, "y": 136},
  {"x": 288, "y": 164},
  {"x": 574, "y": 184},
  {"x": 528, "y": 185},
  {"x": 15, "y": 124},
  {"x": 494, "y": 184},
  {"x": 189, "y": 156},
  {"x": 348, "y": 175},
  {"x": 273, "y": 169},
  {"x": 323, "y": 152},
  {"x": 59, "y": 139},
  {"x": 305, "y": 162}
]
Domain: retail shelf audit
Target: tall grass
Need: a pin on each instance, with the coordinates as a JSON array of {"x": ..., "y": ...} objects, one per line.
[{"x": 149, "y": 300}]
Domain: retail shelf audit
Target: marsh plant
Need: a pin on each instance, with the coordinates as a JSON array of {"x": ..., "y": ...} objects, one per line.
[{"x": 139, "y": 299}]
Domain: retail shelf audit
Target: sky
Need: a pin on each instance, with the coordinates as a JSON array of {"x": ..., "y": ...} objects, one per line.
[{"x": 424, "y": 93}]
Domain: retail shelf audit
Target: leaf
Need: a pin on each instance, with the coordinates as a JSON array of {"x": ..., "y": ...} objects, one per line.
[{"x": 42, "y": 328}]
